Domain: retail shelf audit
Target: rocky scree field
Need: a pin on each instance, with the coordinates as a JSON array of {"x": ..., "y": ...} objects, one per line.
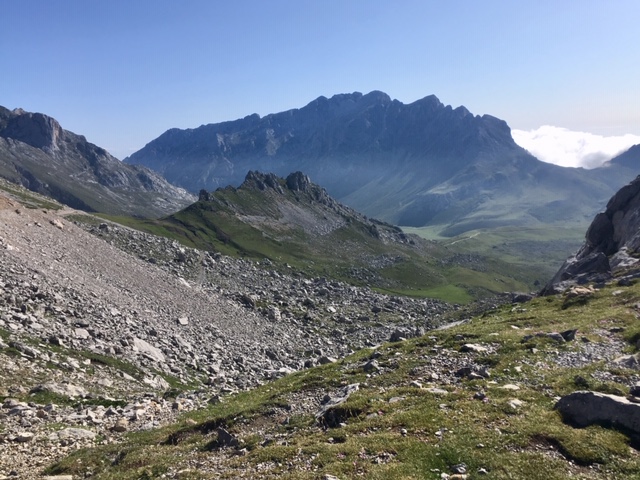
[
  {"x": 106, "y": 330},
  {"x": 478, "y": 400}
]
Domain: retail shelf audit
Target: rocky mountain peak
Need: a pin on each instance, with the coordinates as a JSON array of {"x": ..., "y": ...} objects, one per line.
[
  {"x": 261, "y": 181},
  {"x": 35, "y": 129},
  {"x": 298, "y": 181}
]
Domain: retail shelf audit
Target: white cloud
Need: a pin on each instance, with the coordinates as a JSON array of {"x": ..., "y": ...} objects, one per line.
[{"x": 572, "y": 149}]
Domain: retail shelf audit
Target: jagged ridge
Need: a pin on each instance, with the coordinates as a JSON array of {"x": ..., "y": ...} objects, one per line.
[{"x": 36, "y": 152}]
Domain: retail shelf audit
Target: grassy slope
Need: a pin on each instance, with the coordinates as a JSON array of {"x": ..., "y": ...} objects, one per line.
[
  {"x": 397, "y": 431},
  {"x": 535, "y": 252},
  {"x": 429, "y": 270}
]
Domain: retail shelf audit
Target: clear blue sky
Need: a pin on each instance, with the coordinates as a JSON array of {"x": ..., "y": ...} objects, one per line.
[{"x": 122, "y": 72}]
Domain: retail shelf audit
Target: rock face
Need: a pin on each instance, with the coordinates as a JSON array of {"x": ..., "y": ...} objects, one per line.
[
  {"x": 587, "y": 408},
  {"x": 36, "y": 152},
  {"x": 611, "y": 247},
  {"x": 416, "y": 164}
]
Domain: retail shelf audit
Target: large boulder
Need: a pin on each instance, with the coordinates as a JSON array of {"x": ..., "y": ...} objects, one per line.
[
  {"x": 586, "y": 408},
  {"x": 611, "y": 247}
]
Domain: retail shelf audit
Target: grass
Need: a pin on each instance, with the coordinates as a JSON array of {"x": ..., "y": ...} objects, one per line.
[
  {"x": 350, "y": 253},
  {"x": 394, "y": 430}
]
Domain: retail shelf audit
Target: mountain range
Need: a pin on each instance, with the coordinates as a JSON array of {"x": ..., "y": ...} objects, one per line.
[
  {"x": 420, "y": 164},
  {"x": 36, "y": 152}
]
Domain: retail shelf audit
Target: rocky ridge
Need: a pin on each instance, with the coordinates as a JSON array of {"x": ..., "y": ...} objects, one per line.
[
  {"x": 423, "y": 163},
  {"x": 36, "y": 152}
]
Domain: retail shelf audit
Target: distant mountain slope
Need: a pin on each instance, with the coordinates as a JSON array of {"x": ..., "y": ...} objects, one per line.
[
  {"x": 37, "y": 153},
  {"x": 418, "y": 164},
  {"x": 611, "y": 247}
]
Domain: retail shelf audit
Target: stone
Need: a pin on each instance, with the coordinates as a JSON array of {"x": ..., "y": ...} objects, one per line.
[
  {"x": 474, "y": 348},
  {"x": 24, "y": 437},
  {"x": 121, "y": 425},
  {"x": 225, "y": 439},
  {"x": 584, "y": 408},
  {"x": 144, "y": 348},
  {"x": 183, "y": 321},
  {"x": 327, "y": 415}
]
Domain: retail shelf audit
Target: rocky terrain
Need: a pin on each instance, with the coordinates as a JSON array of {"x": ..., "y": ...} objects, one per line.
[
  {"x": 36, "y": 152},
  {"x": 99, "y": 321}
]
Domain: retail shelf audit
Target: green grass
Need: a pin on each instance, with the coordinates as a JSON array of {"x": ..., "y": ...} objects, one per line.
[
  {"x": 531, "y": 442},
  {"x": 350, "y": 254}
]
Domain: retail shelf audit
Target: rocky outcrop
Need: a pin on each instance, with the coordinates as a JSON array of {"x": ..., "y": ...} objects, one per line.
[
  {"x": 36, "y": 152},
  {"x": 612, "y": 244},
  {"x": 588, "y": 408}
]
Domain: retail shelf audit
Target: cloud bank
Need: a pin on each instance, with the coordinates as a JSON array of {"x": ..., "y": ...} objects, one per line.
[{"x": 568, "y": 148}]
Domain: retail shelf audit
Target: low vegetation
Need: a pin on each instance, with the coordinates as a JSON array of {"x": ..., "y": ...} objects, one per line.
[{"x": 417, "y": 413}]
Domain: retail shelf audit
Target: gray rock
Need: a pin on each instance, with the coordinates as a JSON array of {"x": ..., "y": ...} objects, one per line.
[
  {"x": 144, "y": 348},
  {"x": 586, "y": 408},
  {"x": 327, "y": 415},
  {"x": 225, "y": 439},
  {"x": 75, "y": 434}
]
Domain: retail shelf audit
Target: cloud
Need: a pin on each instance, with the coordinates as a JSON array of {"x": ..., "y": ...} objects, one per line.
[{"x": 568, "y": 148}]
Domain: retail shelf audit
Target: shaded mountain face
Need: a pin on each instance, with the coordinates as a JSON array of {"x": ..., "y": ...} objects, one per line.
[
  {"x": 418, "y": 164},
  {"x": 36, "y": 152},
  {"x": 612, "y": 244}
]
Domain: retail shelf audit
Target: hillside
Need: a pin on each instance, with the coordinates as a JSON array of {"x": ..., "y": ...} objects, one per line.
[
  {"x": 293, "y": 222},
  {"x": 36, "y": 152},
  {"x": 125, "y": 355},
  {"x": 412, "y": 165}
]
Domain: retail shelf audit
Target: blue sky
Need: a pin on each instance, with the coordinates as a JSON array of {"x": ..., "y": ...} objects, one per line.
[{"x": 122, "y": 72}]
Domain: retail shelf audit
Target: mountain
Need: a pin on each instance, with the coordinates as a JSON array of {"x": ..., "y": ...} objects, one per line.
[
  {"x": 293, "y": 223},
  {"x": 629, "y": 160},
  {"x": 36, "y": 152},
  {"x": 612, "y": 243},
  {"x": 413, "y": 165}
]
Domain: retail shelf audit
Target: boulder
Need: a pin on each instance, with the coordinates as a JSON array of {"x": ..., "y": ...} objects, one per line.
[
  {"x": 328, "y": 414},
  {"x": 584, "y": 408}
]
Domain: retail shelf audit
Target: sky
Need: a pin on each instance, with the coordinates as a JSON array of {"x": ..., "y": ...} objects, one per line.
[{"x": 123, "y": 72}]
